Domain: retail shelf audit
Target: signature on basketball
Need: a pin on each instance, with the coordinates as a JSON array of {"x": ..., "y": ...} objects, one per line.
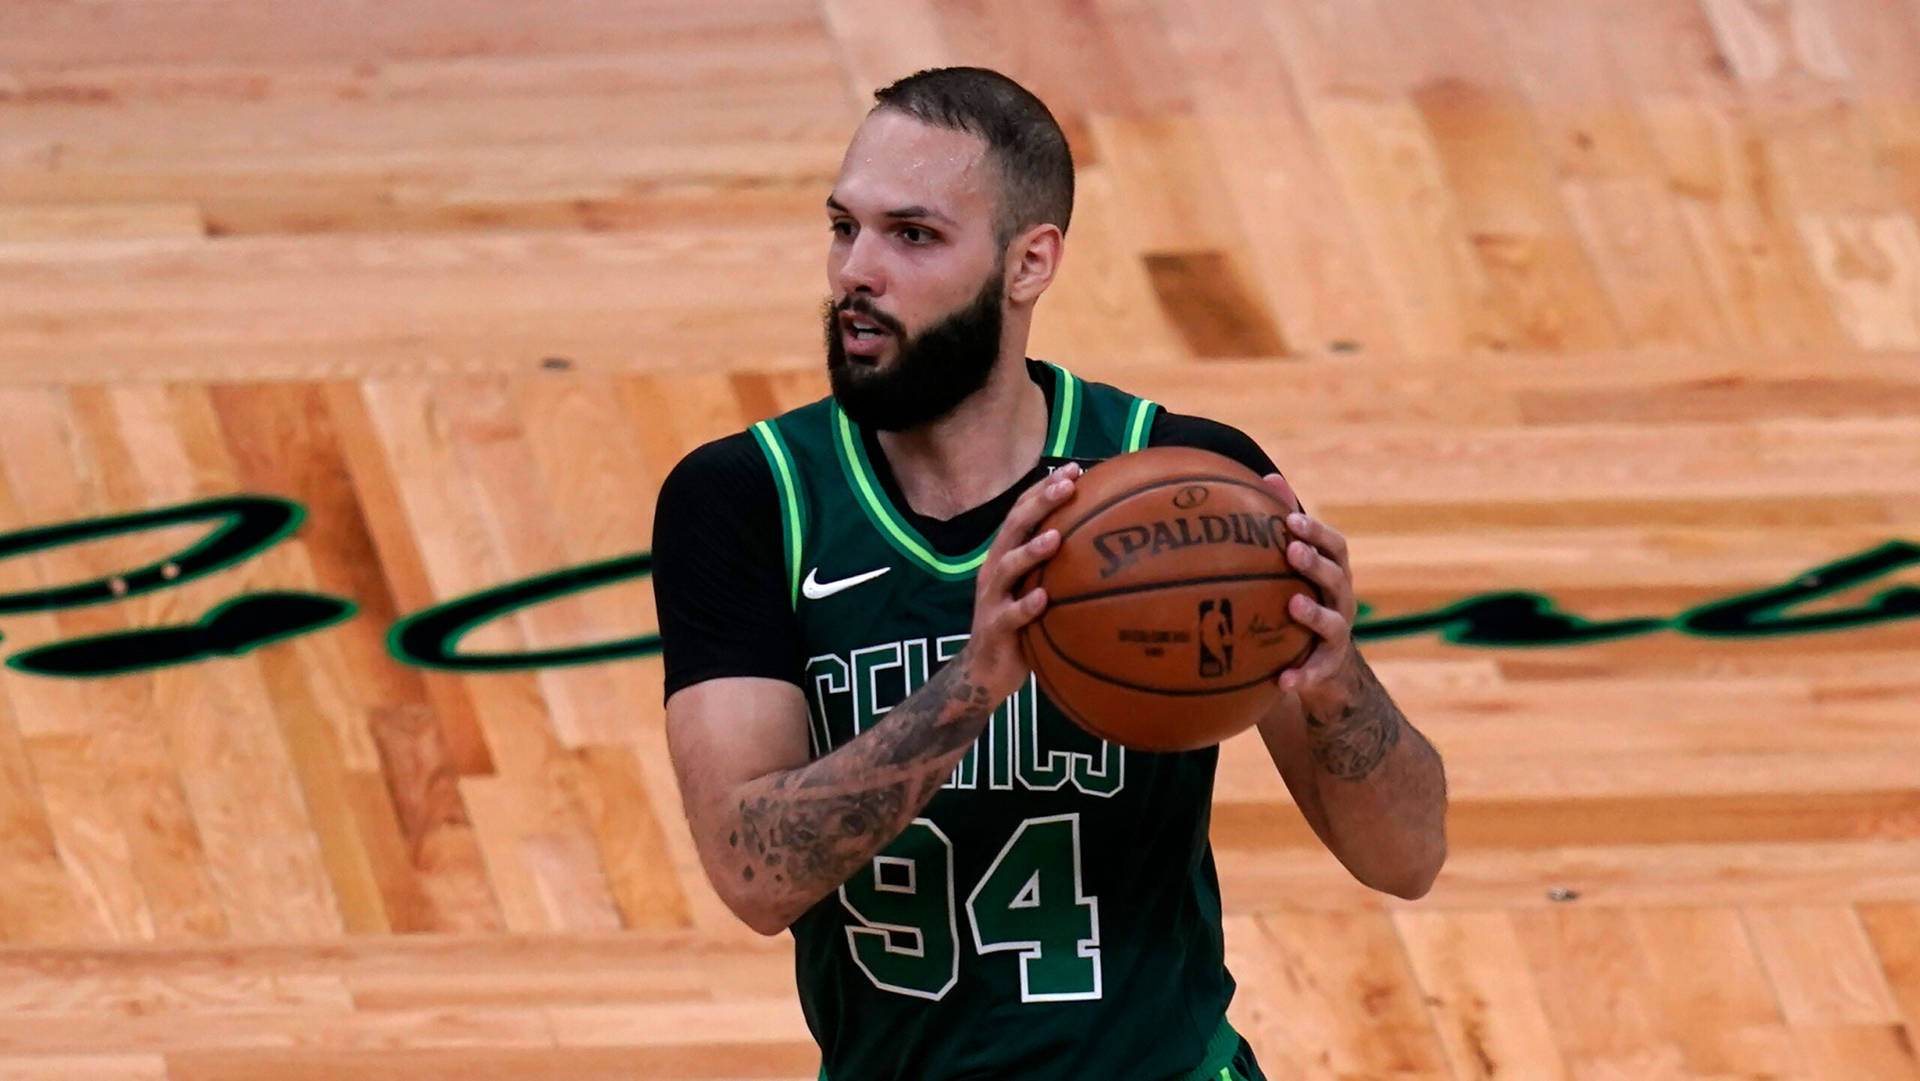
[{"x": 1262, "y": 632}]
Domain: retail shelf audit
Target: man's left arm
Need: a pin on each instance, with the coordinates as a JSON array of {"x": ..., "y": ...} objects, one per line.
[{"x": 1369, "y": 784}]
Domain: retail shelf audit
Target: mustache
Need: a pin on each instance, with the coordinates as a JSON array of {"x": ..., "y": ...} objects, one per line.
[{"x": 863, "y": 306}]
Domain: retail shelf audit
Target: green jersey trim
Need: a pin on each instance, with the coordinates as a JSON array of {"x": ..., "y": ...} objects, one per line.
[
  {"x": 1139, "y": 424},
  {"x": 888, "y": 521},
  {"x": 1063, "y": 426},
  {"x": 1217, "y": 1063},
  {"x": 1066, "y": 412},
  {"x": 1063, "y": 437},
  {"x": 786, "y": 479}
]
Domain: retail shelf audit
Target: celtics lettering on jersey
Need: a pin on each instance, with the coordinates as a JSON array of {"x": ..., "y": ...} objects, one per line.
[
  {"x": 852, "y": 692},
  {"x": 1031, "y": 901}
]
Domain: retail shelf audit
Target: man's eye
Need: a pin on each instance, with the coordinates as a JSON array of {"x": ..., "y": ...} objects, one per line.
[
  {"x": 841, "y": 228},
  {"x": 913, "y": 234}
]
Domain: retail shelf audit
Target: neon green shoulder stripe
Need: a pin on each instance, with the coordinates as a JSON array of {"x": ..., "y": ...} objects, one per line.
[
  {"x": 786, "y": 480},
  {"x": 1139, "y": 424},
  {"x": 1066, "y": 412}
]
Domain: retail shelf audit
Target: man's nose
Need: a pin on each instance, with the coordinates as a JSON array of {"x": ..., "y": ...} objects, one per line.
[{"x": 862, "y": 271}]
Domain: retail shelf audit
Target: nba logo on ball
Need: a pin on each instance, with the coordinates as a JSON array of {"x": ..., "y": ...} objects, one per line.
[{"x": 1216, "y": 637}]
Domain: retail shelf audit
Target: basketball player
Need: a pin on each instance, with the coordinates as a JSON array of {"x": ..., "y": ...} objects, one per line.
[{"x": 976, "y": 887}]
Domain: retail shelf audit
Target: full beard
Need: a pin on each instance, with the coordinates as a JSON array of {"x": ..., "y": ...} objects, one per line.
[{"x": 932, "y": 372}]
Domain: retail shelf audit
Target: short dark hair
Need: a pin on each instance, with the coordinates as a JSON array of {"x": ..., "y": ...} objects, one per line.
[{"x": 1036, "y": 167}]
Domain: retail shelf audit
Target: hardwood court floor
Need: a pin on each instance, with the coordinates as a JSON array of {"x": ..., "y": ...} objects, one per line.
[{"x": 1615, "y": 304}]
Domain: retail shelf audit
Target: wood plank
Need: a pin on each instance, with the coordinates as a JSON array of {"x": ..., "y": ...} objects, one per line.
[
  {"x": 312, "y": 969},
  {"x": 264, "y": 859},
  {"x": 92, "y": 845},
  {"x": 99, "y": 222},
  {"x": 1870, "y": 266},
  {"x": 1676, "y": 818},
  {"x": 1829, "y": 873},
  {"x": 211, "y": 1031},
  {"x": 730, "y": 1060},
  {"x": 1822, "y": 965},
  {"x": 633, "y": 848},
  {"x": 1838, "y": 1051},
  {"x": 1252, "y": 112},
  {"x": 418, "y": 787},
  {"x": 1594, "y": 985},
  {"x": 163, "y": 840},
  {"x": 1651, "y": 278},
  {"x": 1710, "y": 992},
  {"x": 1768, "y": 45},
  {"x": 1484, "y": 998},
  {"x": 1894, "y": 930},
  {"x": 1741, "y": 228},
  {"x": 84, "y": 1068},
  {"x": 1540, "y": 281},
  {"x": 1582, "y": 103},
  {"x": 881, "y": 40},
  {"x": 749, "y": 1022},
  {"x": 1412, "y": 224},
  {"x": 1305, "y": 972},
  {"x": 40, "y": 903},
  {"x": 1205, "y": 298},
  {"x": 402, "y": 569}
]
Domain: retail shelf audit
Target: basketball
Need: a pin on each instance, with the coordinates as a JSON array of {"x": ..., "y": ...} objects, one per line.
[{"x": 1166, "y": 623}]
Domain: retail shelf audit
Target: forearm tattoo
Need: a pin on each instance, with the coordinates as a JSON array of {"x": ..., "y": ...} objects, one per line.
[
  {"x": 1352, "y": 742},
  {"x": 813, "y": 827}
]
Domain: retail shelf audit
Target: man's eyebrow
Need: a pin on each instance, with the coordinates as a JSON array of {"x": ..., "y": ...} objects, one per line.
[{"x": 916, "y": 211}]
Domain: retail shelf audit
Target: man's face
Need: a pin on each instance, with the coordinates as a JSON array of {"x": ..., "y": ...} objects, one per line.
[{"x": 914, "y": 322}]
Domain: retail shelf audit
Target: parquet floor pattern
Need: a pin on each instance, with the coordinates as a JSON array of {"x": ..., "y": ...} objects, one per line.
[{"x": 1613, "y": 302}]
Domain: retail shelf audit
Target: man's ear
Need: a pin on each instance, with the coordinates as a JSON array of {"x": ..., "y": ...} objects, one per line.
[{"x": 1032, "y": 260}]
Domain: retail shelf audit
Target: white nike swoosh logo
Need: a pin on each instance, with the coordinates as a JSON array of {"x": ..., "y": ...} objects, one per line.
[{"x": 813, "y": 590}]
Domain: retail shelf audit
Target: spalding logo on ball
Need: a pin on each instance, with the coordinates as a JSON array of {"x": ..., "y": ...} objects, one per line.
[{"x": 1166, "y": 622}]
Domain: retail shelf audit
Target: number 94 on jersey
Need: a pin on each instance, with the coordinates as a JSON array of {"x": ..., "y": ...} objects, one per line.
[{"x": 1031, "y": 903}]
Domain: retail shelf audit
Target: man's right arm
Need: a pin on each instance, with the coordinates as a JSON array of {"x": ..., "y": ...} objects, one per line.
[
  {"x": 774, "y": 843},
  {"x": 777, "y": 833}
]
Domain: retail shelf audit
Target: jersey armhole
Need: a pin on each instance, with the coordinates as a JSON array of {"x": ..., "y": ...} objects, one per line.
[{"x": 786, "y": 481}]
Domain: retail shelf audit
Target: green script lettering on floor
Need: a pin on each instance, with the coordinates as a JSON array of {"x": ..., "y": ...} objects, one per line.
[{"x": 243, "y": 526}]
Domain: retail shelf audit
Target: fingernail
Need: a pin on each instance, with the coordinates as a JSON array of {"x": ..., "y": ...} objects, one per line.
[
  {"x": 1296, "y": 521},
  {"x": 1072, "y": 469},
  {"x": 1050, "y": 536},
  {"x": 1058, "y": 487}
]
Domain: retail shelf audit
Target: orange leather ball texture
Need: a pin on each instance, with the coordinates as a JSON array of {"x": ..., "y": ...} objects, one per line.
[{"x": 1166, "y": 623}]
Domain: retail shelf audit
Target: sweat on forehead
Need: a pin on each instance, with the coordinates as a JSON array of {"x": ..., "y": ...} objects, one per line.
[{"x": 891, "y": 146}]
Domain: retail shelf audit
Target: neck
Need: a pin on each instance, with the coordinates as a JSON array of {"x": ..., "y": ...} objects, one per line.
[{"x": 965, "y": 459}]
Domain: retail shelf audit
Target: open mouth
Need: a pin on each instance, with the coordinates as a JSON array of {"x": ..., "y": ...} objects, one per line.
[{"x": 861, "y": 335}]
